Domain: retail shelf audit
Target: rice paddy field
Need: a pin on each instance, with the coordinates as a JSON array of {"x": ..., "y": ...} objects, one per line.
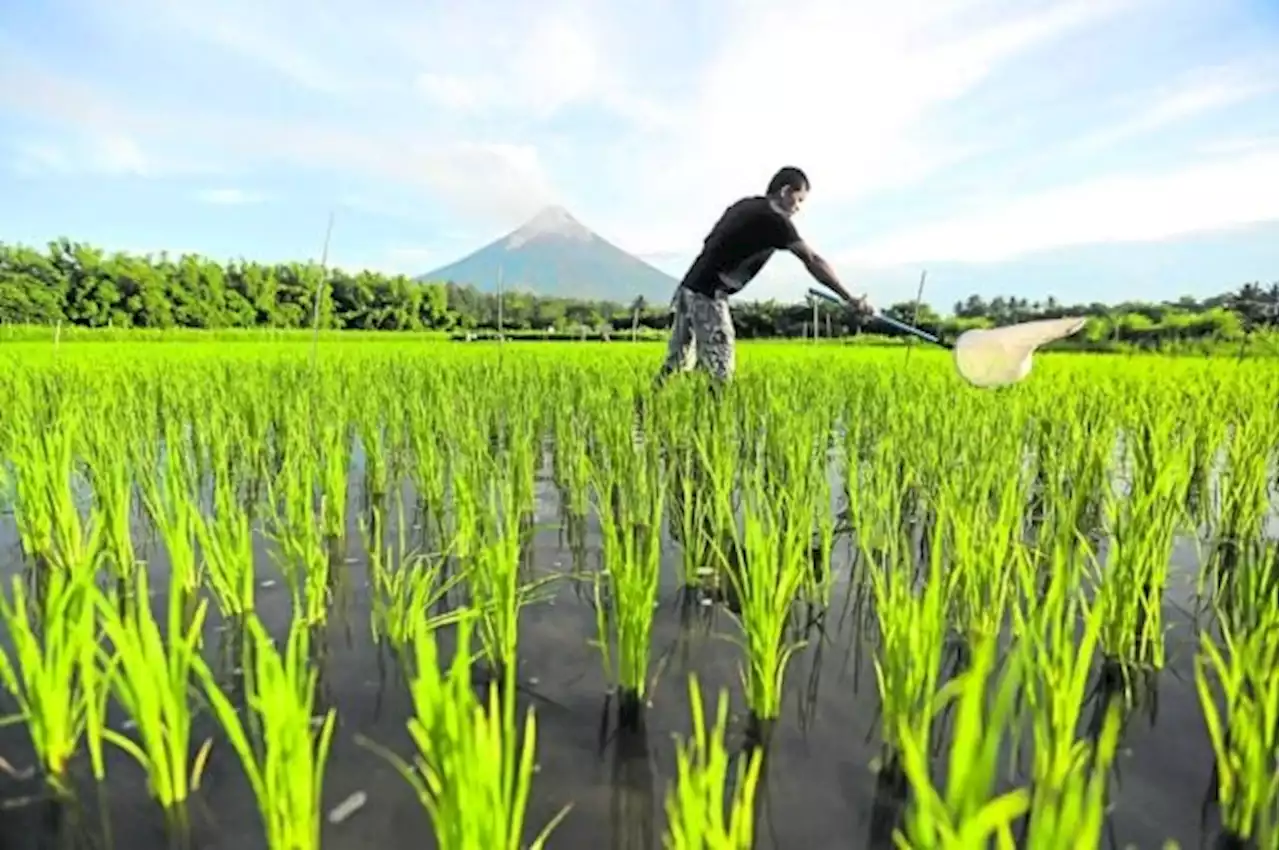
[{"x": 408, "y": 594}]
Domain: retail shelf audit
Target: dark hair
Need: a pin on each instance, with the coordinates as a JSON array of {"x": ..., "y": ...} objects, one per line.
[{"x": 788, "y": 177}]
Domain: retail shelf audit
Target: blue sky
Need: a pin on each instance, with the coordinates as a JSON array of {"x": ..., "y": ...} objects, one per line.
[{"x": 1089, "y": 149}]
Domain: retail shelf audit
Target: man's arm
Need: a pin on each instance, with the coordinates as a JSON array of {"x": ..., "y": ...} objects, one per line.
[{"x": 822, "y": 272}]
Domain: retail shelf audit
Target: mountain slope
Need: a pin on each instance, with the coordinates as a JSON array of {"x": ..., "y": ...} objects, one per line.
[{"x": 554, "y": 254}]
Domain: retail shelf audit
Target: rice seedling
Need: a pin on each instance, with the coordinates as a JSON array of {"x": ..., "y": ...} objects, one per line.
[
  {"x": 718, "y": 450},
  {"x": 1073, "y": 453},
  {"x": 428, "y": 461},
  {"x": 492, "y": 570},
  {"x": 703, "y": 789},
  {"x": 282, "y": 750},
  {"x": 821, "y": 579},
  {"x": 405, "y": 586},
  {"x": 1069, "y": 811},
  {"x": 53, "y": 672},
  {"x": 1069, "y": 776},
  {"x": 372, "y": 430},
  {"x": 150, "y": 677},
  {"x": 791, "y": 466},
  {"x": 911, "y": 630},
  {"x": 334, "y": 451},
  {"x": 571, "y": 464},
  {"x": 1207, "y": 438},
  {"x": 112, "y": 479},
  {"x": 168, "y": 495},
  {"x": 980, "y": 521},
  {"x": 1240, "y": 714},
  {"x": 630, "y": 496},
  {"x": 520, "y": 446},
  {"x": 967, "y": 812},
  {"x": 1245, "y": 486},
  {"x": 232, "y": 450},
  {"x": 303, "y": 557},
  {"x": 767, "y": 584},
  {"x": 692, "y": 514},
  {"x": 1245, "y": 599},
  {"x": 51, "y": 529},
  {"x": 875, "y": 493},
  {"x": 226, "y": 544},
  {"x": 473, "y": 766},
  {"x": 1142, "y": 527}
]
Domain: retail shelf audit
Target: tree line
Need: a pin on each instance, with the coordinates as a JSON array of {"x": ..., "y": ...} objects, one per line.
[{"x": 78, "y": 284}]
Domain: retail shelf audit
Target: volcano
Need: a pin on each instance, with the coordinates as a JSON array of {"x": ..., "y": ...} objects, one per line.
[{"x": 554, "y": 254}]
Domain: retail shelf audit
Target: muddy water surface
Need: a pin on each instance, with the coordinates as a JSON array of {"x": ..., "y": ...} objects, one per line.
[{"x": 819, "y": 790}]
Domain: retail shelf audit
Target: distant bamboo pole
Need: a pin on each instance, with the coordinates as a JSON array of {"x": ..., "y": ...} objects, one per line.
[
  {"x": 320, "y": 286},
  {"x": 915, "y": 315}
]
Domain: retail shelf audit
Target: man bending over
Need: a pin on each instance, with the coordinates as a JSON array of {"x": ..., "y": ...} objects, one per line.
[{"x": 733, "y": 253}]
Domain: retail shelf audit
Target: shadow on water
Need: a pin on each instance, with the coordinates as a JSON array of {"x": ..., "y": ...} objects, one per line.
[{"x": 633, "y": 783}]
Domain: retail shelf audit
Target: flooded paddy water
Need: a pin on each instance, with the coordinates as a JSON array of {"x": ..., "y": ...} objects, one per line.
[{"x": 820, "y": 785}]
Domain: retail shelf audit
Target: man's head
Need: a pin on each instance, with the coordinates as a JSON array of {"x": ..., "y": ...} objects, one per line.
[{"x": 788, "y": 189}]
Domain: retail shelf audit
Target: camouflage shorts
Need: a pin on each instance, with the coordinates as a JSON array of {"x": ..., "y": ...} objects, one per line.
[{"x": 701, "y": 335}]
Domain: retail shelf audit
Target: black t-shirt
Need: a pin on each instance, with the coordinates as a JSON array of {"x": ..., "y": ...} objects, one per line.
[{"x": 738, "y": 246}]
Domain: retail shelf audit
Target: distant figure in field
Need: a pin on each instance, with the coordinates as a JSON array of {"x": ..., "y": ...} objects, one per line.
[{"x": 733, "y": 253}]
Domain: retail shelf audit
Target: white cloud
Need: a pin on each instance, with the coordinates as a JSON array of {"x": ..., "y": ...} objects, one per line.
[
  {"x": 263, "y": 34},
  {"x": 376, "y": 204},
  {"x": 560, "y": 59},
  {"x": 276, "y": 53},
  {"x": 846, "y": 89},
  {"x": 1205, "y": 91},
  {"x": 411, "y": 260},
  {"x": 484, "y": 113},
  {"x": 118, "y": 154},
  {"x": 493, "y": 180},
  {"x": 32, "y": 159},
  {"x": 452, "y": 91},
  {"x": 1123, "y": 208},
  {"x": 109, "y": 154},
  {"x": 1236, "y": 145},
  {"x": 557, "y": 65},
  {"x": 487, "y": 174},
  {"x": 231, "y": 197}
]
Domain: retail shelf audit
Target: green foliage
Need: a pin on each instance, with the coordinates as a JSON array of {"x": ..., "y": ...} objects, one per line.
[{"x": 78, "y": 285}]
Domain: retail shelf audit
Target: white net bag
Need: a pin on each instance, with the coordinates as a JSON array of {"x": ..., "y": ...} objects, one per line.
[{"x": 994, "y": 357}]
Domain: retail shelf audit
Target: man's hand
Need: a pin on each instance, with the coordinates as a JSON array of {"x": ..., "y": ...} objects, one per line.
[{"x": 861, "y": 306}]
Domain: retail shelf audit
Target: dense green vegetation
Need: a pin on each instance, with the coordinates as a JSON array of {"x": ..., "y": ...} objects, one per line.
[{"x": 76, "y": 284}]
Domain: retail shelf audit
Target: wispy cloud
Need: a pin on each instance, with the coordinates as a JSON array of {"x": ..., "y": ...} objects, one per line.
[
  {"x": 557, "y": 63},
  {"x": 1121, "y": 208},
  {"x": 861, "y": 101},
  {"x": 108, "y": 154},
  {"x": 1204, "y": 90},
  {"x": 962, "y": 130},
  {"x": 452, "y": 91},
  {"x": 263, "y": 35},
  {"x": 231, "y": 197},
  {"x": 411, "y": 260},
  {"x": 485, "y": 179}
]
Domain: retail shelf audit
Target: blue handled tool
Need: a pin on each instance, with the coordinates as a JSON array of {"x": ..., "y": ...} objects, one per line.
[
  {"x": 888, "y": 320},
  {"x": 989, "y": 357}
]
